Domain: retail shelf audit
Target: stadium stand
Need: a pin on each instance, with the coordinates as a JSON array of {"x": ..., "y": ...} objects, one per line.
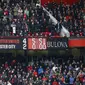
[
  {"x": 18, "y": 18},
  {"x": 44, "y": 72},
  {"x": 70, "y": 16},
  {"x": 25, "y": 66},
  {"x": 22, "y": 19}
]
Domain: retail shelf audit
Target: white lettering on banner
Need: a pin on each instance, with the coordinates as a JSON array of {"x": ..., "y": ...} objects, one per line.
[
  {"x": 7, "y": 46},
  {"x": 56, "y": 44},
  {"x": 24, "y": 44},
  {"x": 39, "y": 43},
  {"x": 49, "y": 44},
  {"x": 42, "y": 43},
  {"x": 33, "y": 43}
]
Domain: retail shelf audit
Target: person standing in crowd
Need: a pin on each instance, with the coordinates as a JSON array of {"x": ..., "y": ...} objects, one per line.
[
  {"x": 66, "y": 80},
  {"x": 55, "y": 82},
  {"x": 84, "y": 80},
  {"x": 40, "y": 71},
  {"x": 77, "y": 82},
  {"x": 71, "y": 80},
  {"x": 8, "y": 83},
  {"x": 13, "y": 25}
]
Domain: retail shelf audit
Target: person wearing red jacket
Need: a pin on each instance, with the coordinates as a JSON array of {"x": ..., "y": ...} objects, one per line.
[
  {"x": 29, "y": 68},
  {"x": 55, "y": 82}
]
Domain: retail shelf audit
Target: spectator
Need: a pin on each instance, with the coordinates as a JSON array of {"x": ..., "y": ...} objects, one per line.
[
  {"x": 13, "y": 25},
  {"x": 77, "y": 82},
  {"x": 71, "y": 80},
  {"x": 37, "y": 21},
  {"x": 40, "y": 71},
  {"x": 84, "y": 80},
  {"x": 55, "y": 82},
  {"x": 26, "y": 11}
]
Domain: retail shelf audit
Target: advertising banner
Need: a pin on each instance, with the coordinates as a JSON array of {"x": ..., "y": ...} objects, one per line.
[
  {"x": 76, "y": 42},
  {"x": 57, "y": 43},
  {"x": 13, "y": 43},
  {"x": 40, "y": 43}
]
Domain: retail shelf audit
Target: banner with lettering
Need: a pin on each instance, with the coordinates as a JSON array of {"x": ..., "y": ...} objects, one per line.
[
  {"x": 13, "y": 43},
  {"x": 57, "y": 43}
]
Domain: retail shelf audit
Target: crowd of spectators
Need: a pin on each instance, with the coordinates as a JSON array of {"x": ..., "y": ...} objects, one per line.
[
  {"x": 19, "y": 18},
  {"x": 42, "y": 72},
  {"x": 70, "y": 16}
]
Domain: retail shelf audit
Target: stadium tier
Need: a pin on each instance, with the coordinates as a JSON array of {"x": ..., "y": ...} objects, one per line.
[
  {"x": 23, "y": 19},
  {"x": 47, "y": 72},
  {"x": 42, "y": 43}
]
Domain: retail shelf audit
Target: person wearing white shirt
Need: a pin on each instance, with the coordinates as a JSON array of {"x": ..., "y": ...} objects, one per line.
[
  {"x": 13, "y": 25},
  {"x": 54, "y": 68},
  {"x": 8, "y": 83}
]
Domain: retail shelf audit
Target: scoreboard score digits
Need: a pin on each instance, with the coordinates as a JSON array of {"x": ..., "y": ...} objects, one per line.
[{"x": 37, "y": 43}]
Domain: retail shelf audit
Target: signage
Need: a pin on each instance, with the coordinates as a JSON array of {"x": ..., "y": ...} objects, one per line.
[
  {"x": 13, "y": 43},
  {"x": 78, "y": 42},
  {"x": 56, "y": 43},
  {"x": 37, "y": 43},
  {"x": 40, "y": 43}
]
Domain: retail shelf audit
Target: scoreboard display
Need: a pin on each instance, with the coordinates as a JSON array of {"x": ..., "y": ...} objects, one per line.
[
  {"x": 47, "y": 44},
  {"x": 37, "y": 43},
  {"x": 13, "y": 43}
]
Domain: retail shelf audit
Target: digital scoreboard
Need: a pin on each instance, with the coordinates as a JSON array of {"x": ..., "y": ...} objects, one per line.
[
  {"x": 47, "y": 44},
  {"x": 37, "y": 43}
]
